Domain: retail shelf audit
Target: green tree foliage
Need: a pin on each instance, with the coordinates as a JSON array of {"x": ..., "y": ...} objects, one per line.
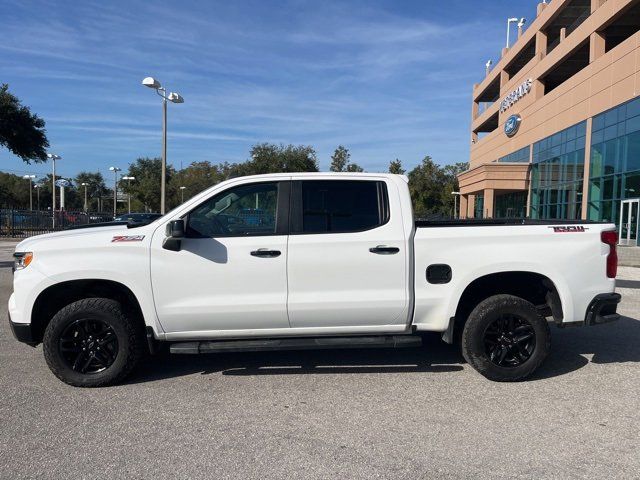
[
  {"x": 431, "y": 185},
  {"x": 96, "y": 189},
  {"x": 196, "y": 177},
  {"x": 354, "y": 167},
  {"x": 14, "y": 191},
  {"x": 395, "y": 166},
  {"x": 340, "y": 159},
  {"x": 21, "y": 131},
  {"x": 271, "y": 158},
  {"x": 145, "y": 189}
]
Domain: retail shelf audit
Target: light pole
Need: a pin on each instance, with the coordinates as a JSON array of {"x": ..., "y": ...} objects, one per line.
[
  {"x": 37, "y": 186},
  {"x": 182, "y": 194},
  {"x": 85, "y": 185},
  {"x": 115, "y": 171},
  {"x": 30, "y": 178},
  {"x": 455, "y": 203},
  {"x": 53, "y": 157},
  {"x": 128, "y": 179},
  {"x": 174, "y": 98},
  {"x": 509, "y": 22}
]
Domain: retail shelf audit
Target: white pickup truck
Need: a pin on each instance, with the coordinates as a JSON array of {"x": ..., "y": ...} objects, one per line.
[{"x": 294, "y": 261}]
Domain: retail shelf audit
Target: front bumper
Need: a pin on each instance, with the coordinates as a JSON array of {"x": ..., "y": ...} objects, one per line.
[
  {"x": 22, "y": 332},
  {"x": 602, "y": 309}
]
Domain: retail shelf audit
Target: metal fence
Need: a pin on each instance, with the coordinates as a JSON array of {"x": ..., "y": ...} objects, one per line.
[{"x": 26, "y": 223}]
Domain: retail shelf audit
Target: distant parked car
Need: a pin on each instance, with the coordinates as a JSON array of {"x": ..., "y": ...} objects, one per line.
[{"x": 137, "y": 218}]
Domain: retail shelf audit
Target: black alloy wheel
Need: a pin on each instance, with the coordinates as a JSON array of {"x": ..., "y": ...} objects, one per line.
[
  {"x": 88, "y": 346},
  {"x": 509, "y": 340}
]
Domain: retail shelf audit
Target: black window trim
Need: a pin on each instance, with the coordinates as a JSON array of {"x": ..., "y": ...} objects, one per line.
[
  {"x": 296, "y": 214},
  {"x": 282, "y": 211}
]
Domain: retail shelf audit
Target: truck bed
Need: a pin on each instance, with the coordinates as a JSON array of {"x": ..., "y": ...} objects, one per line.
[{"x": 497, "y": 222}]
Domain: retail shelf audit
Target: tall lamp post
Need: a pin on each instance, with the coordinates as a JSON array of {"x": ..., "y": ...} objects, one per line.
[
  {"x": 30, "y": 178},
  {"x": 174, "y": 98},
  {"x": 128, "y": 179},
  {"x": 455, "y": 203},
  {"x": 53, "y": 157},
  {"x": 85, "y": 185},
  {"x": 182, "y": 194},
  {"x": 115, "y": 171},
  {"x": 38, "y": 186}
]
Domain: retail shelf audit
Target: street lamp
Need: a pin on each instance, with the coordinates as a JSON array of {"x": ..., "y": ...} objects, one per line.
[
  {"x": 86, "y": 207},
  {"x": 53, "y": 157},
  {"x": 455, "y": 203},
  {"x": 174, "y": 98},
  {"x": 30, "y": 178},
  {"x": 115, "y": 171},
  {"x": 509, "y": 22},
  {"x": 182, "y": 194},
  {"x": 38, "y": 186},
  {"x": 129, "y": 188}
]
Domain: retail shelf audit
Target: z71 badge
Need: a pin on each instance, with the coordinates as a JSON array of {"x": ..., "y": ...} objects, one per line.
[
  {"x": 127, "y": 238},
  {"x": 570, "y": 229}
]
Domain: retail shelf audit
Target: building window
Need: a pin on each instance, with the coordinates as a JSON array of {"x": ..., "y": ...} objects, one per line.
[
  {"x": 557, "y": 174},
  {"x": 478, "y": 208},
  {"x": 511, "y": 205},
  {"x": 614, "y": 173},
  {"x": 519, "y": 156}
]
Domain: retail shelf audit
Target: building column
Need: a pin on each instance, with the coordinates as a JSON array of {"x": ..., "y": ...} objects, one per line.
[
  {"x": 587, "y": 168},
  {"x": 462, "y": 212},
  {"x": 488, "y": 202},
  {"x": 471, "y": 206},
  {"x": 596, "y": 4},
  {"x": 597, "y": 44},
  {"x": 541, "y": 43}
]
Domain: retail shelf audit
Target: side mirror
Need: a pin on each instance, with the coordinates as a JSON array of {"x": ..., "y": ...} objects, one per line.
[{"x": 175, "y": 234}]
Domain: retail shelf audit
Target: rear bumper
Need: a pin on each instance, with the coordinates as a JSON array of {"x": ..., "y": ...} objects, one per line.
[
  {"x": 602, "y": 309},
  {"x": 22, "y": 332}
]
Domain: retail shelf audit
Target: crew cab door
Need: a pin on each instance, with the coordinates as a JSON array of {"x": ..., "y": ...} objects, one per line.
[
  {"x": 230, "y": 273},
  {"x": 348, "y": 259}
]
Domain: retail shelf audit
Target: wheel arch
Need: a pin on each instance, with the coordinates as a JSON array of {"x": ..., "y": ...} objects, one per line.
[
  {"x": 534, "y": 287},
  {"x": 55, "y": 297}
]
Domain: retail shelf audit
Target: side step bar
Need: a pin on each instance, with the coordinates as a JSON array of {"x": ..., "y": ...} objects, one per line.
[{"x": 262, "y": 345}]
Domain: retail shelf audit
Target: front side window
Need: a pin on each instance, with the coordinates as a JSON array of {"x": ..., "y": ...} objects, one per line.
[
  {"x": 239, "y": 211},
  {"x": 342, "y": 206}
]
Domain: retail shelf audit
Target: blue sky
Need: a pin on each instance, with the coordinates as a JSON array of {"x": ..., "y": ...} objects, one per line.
[{"x": 386, "y": 79}]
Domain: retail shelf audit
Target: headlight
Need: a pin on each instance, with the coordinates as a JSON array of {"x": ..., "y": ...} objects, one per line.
[{"x": 21, "y": 260}]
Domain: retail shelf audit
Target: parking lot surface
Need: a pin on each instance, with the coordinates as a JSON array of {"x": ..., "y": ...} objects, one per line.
[{"x": 414, "y": 413}]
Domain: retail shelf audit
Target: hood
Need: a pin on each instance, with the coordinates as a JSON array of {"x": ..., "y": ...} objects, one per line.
[{"x": 82, "y": 233}]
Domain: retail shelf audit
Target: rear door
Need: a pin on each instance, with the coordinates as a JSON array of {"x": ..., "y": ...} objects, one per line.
[{"x": 347, "y": 258}]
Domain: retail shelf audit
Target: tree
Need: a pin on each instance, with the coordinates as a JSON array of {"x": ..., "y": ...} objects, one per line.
[
  {"x": 395, "y": 166},
  {"x": 196, "y": 177},
  {"x": 146, "y": 187},
  {"x": 96, "y": 188},
  {"x": 354, "y": 167},
  {"x": 340, "y": 159},
  {"x": 271, "y": 158},
  {"x": 426, "y": 183},
  {"x": 21, "y": 131}
]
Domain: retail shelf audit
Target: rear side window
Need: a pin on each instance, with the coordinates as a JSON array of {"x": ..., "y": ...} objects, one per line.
[{"x": 340, "y": 206}]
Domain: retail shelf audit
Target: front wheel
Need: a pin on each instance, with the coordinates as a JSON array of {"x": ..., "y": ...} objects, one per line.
[
  {"x": 91, "y": 343},
  {"x": 505, "y": 338}
]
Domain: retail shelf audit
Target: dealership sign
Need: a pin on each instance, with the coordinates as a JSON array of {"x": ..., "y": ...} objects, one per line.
[
  {"x": 512, "y": 125},
  {"x": 516, "y": 95}
]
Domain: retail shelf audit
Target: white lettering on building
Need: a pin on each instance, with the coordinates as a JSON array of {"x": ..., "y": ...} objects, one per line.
[{"x": 516, "y": 95}]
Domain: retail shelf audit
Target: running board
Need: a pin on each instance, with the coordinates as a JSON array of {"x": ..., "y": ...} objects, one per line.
[{"x": 385, "y": 341}]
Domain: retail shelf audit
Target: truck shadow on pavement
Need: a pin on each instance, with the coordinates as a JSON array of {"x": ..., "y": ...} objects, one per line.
[{"x": 570, "y": 351}]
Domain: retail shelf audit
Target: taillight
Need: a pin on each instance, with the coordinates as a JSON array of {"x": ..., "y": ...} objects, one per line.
[{"x": 611, "y": 239}]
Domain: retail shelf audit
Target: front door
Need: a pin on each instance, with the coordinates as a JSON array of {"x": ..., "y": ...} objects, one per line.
[
  {"x": 231, "y": 272},
  {"x": 629, "y": 212},
  {"x": 347, "y": 255}
]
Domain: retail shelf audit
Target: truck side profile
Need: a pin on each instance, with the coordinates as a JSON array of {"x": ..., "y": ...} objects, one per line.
[{"x": 307, "y": 260}]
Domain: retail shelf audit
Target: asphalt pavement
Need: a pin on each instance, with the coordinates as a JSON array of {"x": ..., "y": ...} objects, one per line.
[{"x": 414, "y": 413}]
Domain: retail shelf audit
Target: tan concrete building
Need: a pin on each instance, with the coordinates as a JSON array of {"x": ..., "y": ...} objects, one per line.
[{"x": 555, "y": 130}]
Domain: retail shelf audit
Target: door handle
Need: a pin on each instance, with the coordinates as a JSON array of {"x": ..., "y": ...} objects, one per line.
[
  {"x": 384, "y": 250},
  {"x": 266, "y": 253}
]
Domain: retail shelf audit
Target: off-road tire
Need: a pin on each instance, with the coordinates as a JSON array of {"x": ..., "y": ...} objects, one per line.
[
  {"x": 483, "y": 315},
  {"x": 130, "y": 342}
]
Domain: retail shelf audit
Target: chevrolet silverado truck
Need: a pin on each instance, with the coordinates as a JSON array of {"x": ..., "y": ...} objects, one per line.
[{"x": 302, "y": 261}]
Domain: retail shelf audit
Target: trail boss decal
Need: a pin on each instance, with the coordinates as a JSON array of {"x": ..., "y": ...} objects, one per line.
[
  {"x": 127, "y": 238},
  {"x": 570, "y": 229}
]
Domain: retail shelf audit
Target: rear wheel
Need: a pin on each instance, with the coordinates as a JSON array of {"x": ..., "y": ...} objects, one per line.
[
  {"x": 505, "y": 338},
  {"x": 91, "y": 343}
]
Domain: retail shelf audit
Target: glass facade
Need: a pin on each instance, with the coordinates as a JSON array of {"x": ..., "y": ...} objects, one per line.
[
  {"x": 511, "y": 205},
  {"x": 519, "y": 156},
  {"x": 557, "y": 174},
  {"x": 478, "y": 209},
  {"x": 614, "y": 171}
]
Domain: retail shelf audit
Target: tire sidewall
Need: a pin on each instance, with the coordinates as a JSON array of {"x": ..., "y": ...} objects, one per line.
[
  {"x": 66, "y": 317},
  {"x": 482, "y": 316}
]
